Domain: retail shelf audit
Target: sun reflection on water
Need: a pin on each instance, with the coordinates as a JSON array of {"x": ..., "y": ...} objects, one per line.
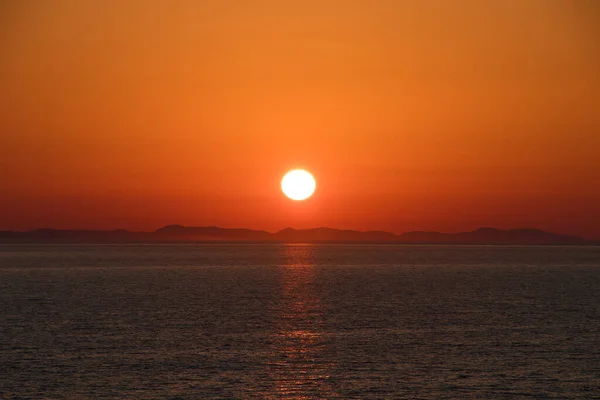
[{"x": 300, "y": 369}]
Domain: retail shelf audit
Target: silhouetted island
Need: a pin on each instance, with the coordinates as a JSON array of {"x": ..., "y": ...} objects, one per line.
[{"x": 178, "y": 233}]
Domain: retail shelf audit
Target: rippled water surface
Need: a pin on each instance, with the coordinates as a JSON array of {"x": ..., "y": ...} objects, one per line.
[{"x": 299, "y": 321}]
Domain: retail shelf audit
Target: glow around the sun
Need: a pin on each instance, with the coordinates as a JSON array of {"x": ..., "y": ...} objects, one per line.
[{"x": 298, "y": 184}]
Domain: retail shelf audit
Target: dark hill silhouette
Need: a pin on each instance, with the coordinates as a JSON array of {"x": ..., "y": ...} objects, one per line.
[
  {"x": 492, "y": 236},
  {"x": 330, "y": 234},
  {"x": 212, "y": 233},
  {"x": 47, "y": 235},
  {"x": 177, "y": 233}
]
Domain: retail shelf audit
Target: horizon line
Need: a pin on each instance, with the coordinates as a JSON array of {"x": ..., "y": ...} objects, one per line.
[{"x": 296, "y": 229}]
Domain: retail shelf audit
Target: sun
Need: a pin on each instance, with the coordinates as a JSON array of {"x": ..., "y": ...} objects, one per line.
[{"x": 298, "y": 184}]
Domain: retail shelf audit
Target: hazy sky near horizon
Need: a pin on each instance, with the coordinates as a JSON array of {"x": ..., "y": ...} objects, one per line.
[{"x": 412, "y": 115}]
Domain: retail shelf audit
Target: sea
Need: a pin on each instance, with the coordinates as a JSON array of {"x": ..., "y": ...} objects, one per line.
[{"x": 299, "y": 321}]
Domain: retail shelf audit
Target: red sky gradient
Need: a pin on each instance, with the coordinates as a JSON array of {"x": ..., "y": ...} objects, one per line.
[{"x": 431, "y": 115}]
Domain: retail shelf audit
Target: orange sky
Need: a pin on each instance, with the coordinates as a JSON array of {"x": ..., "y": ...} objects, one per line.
[{"x": 430, "y": 115}]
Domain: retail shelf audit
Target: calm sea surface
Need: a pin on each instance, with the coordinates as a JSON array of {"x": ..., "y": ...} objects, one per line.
[{"x": 299, "y": 321}]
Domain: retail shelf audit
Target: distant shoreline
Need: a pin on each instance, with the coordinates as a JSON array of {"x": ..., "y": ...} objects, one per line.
[
  {"x": 177, "y": 234},
  {"x": 267, "y": 243}
]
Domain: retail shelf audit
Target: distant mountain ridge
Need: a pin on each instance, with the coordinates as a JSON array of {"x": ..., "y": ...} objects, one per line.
[
  {"x": 494, "y": 236},
  {"x": 178, "y": 233},
  {"x": 211, "y": 233}
]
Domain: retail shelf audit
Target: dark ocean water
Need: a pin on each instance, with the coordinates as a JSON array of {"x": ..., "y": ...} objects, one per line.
[{"x": 299, "y": 321}]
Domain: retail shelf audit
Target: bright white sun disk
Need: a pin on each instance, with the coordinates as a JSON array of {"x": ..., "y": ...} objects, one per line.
[{"x": 298, "y": 184}]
